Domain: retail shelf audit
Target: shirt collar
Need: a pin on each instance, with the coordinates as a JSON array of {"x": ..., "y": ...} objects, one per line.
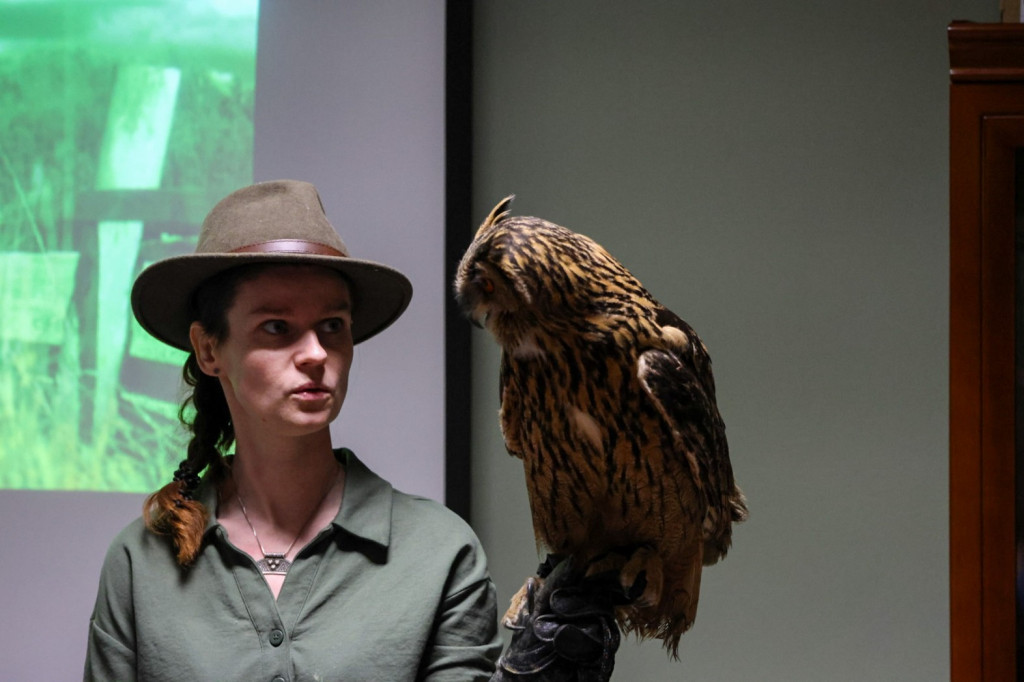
[{"x": 365, "y": 505}]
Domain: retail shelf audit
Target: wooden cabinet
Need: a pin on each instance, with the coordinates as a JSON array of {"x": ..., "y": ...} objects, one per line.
[{"x": 986, "y": 209}]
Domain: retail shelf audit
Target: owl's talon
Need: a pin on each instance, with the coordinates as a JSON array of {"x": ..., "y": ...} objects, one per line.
[
  {"x": 636, "y": 590},
  {"x": 642, "y": 578},
  {"x": 612, "y": 562},
  {"x": 521, "y": 604}
]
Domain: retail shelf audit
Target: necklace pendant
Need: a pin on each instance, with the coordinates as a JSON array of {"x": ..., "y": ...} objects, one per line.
[{"x": 273, "y": 564}]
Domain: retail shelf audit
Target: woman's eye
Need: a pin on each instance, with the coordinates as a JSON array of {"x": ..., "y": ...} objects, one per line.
[
  {"x": 334, "y": 325},
  {"x": 275, "y": 327}
]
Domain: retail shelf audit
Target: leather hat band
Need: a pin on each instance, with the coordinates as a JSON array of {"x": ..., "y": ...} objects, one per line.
[{"x": 291, "y": 246}]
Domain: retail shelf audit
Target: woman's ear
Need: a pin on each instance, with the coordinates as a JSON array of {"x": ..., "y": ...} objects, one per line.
[{"x": 205, "y": 347}]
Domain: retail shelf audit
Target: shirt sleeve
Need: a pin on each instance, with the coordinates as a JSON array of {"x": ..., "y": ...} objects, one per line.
[
  {"x": 110, "y": 653},
  {"x": 465, "y": 643}
]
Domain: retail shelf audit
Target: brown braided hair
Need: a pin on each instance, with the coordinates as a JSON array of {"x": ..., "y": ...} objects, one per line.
[{"x": 171, "y": 510}]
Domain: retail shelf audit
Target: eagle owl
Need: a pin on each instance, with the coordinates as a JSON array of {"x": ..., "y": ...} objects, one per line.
[{"x": 608, "y": 398}]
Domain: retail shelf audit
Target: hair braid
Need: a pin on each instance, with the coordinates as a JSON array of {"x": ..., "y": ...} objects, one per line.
[{"x": 171, "y": 510}]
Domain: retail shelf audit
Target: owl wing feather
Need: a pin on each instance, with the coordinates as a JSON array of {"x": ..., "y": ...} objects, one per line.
[{"x": 679, "y": 381}]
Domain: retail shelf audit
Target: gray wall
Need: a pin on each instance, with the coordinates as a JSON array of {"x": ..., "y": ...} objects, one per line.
[{"x": 776, "y": 173}]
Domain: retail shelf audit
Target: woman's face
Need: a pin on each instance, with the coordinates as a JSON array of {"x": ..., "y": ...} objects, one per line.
[{"x": 285, "y": 361}]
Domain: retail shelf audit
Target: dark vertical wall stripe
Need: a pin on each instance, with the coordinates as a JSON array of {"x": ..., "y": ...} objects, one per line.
[{"x": 458, "y": 219}]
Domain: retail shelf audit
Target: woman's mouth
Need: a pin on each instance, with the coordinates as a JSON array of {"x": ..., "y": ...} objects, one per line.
[{"x": 311, "y": 392}]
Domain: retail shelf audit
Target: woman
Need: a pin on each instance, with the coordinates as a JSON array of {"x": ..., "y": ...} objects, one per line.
[{"x": 288, "y": 560}]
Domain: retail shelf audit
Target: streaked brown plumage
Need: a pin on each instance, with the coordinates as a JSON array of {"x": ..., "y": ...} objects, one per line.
[{"x": 608, "y": 398}]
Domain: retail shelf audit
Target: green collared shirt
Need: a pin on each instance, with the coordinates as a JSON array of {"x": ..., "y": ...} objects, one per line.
[{"x": 396, "y": 588}]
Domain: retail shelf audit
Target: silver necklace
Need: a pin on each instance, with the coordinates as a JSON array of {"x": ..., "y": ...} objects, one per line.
[{"x": 276, "y": 563}]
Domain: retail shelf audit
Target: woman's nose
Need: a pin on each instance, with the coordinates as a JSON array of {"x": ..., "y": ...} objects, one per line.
[{"x": 309, "y": 349}]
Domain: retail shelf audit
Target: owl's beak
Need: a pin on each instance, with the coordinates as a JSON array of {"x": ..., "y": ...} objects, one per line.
[{"x": 469, "y": 299}]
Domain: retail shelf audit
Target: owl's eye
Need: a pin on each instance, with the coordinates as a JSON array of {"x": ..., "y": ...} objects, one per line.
[{"x": 487, "y": 285}]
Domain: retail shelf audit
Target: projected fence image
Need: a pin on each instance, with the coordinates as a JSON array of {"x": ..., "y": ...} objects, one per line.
[{"x": 121, "y": 123}]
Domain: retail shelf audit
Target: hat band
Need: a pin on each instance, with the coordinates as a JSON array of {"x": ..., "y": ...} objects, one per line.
[{"x": 291, "y": 246}]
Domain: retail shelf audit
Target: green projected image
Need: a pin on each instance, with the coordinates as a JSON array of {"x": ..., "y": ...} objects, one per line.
[{"x": 121, "y": 123}]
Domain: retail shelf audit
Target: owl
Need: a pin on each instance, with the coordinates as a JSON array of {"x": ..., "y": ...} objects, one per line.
[{"x": 609, "y": 400}]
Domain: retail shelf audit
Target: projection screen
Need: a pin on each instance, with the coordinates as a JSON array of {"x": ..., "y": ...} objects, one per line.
[{"x": 121, "y": 123}]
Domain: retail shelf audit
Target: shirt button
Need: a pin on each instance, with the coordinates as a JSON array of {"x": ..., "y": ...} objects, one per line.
[{"x": 276, "y": 637}]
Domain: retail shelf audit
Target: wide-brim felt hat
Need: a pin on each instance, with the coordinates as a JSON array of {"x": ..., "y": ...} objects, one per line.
[{"x": 270, "y": 222}]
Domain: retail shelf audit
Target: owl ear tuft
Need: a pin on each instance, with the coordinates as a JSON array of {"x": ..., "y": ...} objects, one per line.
[{"x": 497, "y": 213}]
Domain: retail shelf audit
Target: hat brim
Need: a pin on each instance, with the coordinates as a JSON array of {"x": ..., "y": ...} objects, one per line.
[{"x": 160, "y": 296}]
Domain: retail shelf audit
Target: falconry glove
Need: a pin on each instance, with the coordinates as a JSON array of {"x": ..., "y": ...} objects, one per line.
[{"x": 566, "y": 629}]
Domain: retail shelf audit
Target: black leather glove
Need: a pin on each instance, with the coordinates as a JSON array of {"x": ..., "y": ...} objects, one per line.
[{"x": 566, "y": 630}]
